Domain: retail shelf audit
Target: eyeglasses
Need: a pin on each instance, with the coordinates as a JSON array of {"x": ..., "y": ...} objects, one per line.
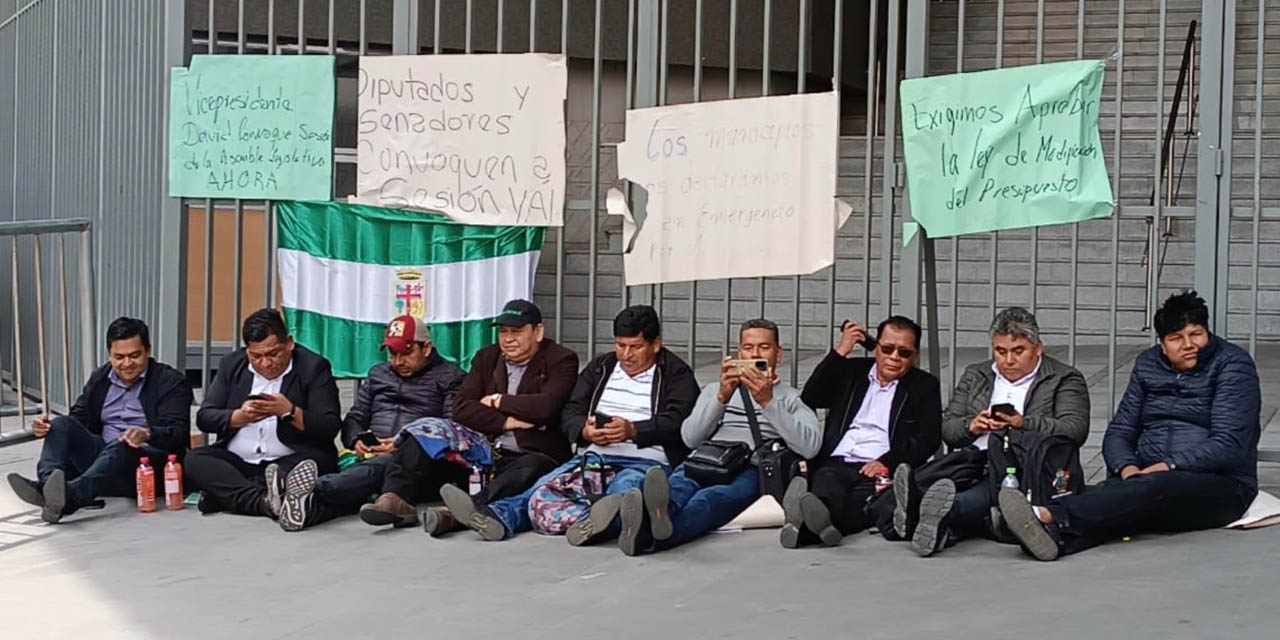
[{"x": 903, "y": 352}]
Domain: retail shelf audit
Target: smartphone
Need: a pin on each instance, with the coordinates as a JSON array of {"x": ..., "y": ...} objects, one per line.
[
  {"x": 602, "y": 419},
  {"x": 369, "y": 439},
  {"x": 259, "y": 396},
  {"x": 1003, "y": 409},
  {"x": 759, "y": 365},
  {"x": 868, "y": 343}
]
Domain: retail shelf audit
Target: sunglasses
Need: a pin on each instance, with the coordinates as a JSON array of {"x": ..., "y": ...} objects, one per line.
[{"x": 903, "y": 352}]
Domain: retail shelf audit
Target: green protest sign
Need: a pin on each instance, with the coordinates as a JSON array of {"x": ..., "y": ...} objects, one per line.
[
  {"x": 254, "y": 127},
  {"x": 1005, "y": 149}
]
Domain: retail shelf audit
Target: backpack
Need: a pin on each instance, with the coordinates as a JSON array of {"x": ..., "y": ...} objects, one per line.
[{"x": 1048, "y": 466}]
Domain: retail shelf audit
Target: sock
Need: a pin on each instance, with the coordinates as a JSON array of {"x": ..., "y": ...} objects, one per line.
[{"x": 1038, "y": 511}]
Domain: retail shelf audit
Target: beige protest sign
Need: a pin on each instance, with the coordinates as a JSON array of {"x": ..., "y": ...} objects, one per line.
[
  {"x": 734, "y": 188},
  {"x": 479, "y": 138}
]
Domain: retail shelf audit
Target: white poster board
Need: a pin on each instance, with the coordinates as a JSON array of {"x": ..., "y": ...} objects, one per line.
[
  {"x": 735, "y": 188},
  {"x": 479, "y": 138}
]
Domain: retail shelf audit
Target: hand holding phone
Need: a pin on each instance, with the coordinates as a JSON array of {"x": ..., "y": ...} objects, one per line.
[
  {"x": 1003, "y": 410},
  {"x": 368, "y": 438}
]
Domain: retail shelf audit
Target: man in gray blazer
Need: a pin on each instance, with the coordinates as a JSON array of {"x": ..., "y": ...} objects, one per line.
[{"x": 1019, "y": 388}]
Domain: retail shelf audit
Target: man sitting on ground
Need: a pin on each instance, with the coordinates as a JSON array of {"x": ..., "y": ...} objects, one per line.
[
  {"x": 883, "y": 411},
  {"x": 1182, "y": 448},
  {"x": 274, "y": 408},
  {"x": 1047, "y": 396},
  {"x": 415, "y": 382},
  {"x": 668, "y": 512},
  {"x": 513, "y": 395},
  {"x": 131, "y": 407},
  {"x": 641, "y": 392}
]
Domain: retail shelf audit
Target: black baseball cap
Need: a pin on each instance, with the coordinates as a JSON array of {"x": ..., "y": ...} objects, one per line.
[{"x": 519, "y": 313}]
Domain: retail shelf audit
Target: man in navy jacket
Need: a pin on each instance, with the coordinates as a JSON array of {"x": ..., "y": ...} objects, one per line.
[{"x": 1182, "y": 449}]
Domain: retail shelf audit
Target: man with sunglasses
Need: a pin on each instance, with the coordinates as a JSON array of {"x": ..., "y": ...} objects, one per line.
[{"x": 882, "y": 411}]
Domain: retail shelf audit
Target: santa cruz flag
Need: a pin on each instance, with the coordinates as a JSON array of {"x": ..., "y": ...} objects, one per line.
[{"x": 346, "y": 270}]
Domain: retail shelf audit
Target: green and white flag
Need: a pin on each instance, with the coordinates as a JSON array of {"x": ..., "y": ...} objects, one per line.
[{"x": 346, "y": 270}]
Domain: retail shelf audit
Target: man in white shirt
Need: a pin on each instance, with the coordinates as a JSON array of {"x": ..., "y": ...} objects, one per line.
[
  {"x": 627, "y": 408},
  {"x": 882, "y": 412},
  {"x": 273, "y": 401},
  {"x": 1019, "y": 388}
]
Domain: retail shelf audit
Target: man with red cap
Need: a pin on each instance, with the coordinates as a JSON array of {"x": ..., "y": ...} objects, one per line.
[{"x": 415, "y": 382}]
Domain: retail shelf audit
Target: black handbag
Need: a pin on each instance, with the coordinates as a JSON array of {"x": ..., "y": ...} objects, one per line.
[
  {"x": 720, "y": 462},
  {"x": 717, "y": 462}
]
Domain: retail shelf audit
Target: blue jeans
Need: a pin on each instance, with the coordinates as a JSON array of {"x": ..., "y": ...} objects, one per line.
[
  {"x": 513, "y": 512},
  {"x": 93, "y": 467},
  {"x": 695, "y": 509}
]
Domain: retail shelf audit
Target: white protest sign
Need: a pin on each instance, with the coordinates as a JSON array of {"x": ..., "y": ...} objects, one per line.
[
  {"x": 735, "y": 188},
  {"x": 479, "y": 138}
]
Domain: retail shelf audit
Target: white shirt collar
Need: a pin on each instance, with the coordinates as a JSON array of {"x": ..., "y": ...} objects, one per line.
[
  {"x": 874, "y": 376},
  {"x": 1020, "y": 381},
  {"x": 287, "y": 370}
]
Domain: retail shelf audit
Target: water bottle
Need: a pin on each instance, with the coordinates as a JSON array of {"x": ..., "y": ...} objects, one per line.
[
  {"x": 1010, "y": 479},
  {"x": 883, "y": 480},
  {"x": 146, "y": 483},
  {"x": 476, "y": 482},
  {"x": 173, "y": 484}
]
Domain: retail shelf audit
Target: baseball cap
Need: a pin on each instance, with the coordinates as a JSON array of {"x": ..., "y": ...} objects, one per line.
[
  {"x": 519, "y": 313},
  {"x": 403, "y": 331}
]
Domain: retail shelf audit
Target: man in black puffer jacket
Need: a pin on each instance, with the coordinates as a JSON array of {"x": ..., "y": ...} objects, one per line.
[{"x": 1182, "y": 448}]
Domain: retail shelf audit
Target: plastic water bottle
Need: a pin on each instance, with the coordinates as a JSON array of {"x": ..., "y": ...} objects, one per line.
[
  {"x": 883, "y": 480},
  {"x": 173, "y": 484},
  {"x": 476, "y": 482},
  {"x": 1010, "y": 479},
  {"x": 146, "y": 482}
]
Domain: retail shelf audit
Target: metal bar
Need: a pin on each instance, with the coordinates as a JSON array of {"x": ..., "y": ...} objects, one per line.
[
  {"x": 837, "y": 58},
  {"x": 1153, "y": 284},
  {"x": 1191, "y": 86},
  {"x": 333, "y": 43},
  {"x": 995, "y": 235},
  {"x": 916, "y": 36},
  {"x": 364, "y": 34},
  {"x": 41, "y": 354},
  {"x": 800, "y": 87},
  {"x": 467, "y": 44},
  {"x": 206, "y": 307},
  {"x": 238, "y": 267},
  {"x": 733, "y": 92},
  {"x": 26, "y": 227},
  {"x": 302, "y": 37},
  {"x": 560, "y": 234},
  {"x": 890, "y": 177},
  {"x": 596, "y": 72},
  {"x": 764, "y": 91},
  {"x": 697, "y": 97},
  {"x": 873, "y": 128},
  {"x": 88, "y": 324},
  {"x": 629, "y": 104},
  {"x": 1258, "y": 113},
  {"x": 271, "y": 27},
  {"x": 533, "y": 26},
  {"x": 1034, "y": 271},
  {"x": 66, "y": 338},
  {"x": 19, "y": 383},
  {"x": 501, "y": 10},
  {"x": 1117, "y": 151},
  {"x": 954, "y": 340},
  {"x": 658, "y": 291},
  {"x": 1075, "y": 228}
]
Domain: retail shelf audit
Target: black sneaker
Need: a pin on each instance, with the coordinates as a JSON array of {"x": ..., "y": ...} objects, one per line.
[
  {"x": 55, "y": 497},
  {"x": 299, "y": 491},
  {"x": 793, "y": 518},
  {"x": 1036, "y": 537},
  {"x": 931, "y": 531},
  {"x": 817, "y": 518},
  {"x": 636, "y": 536},
  {"x": 657, "y": 501},
  {"x": 275, "y": 489},
  {"x": 27, "y": 490},
  {"x": 464, "y": 510},
  {"x": 593, "y": 528},
  {"x": 903, "y": 487}
]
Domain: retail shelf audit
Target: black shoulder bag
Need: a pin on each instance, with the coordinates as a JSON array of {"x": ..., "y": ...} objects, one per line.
[{"x": 720, "y": 462}]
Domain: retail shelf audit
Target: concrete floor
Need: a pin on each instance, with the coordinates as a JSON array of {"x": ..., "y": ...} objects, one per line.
[{"x": 117, "y": 574}]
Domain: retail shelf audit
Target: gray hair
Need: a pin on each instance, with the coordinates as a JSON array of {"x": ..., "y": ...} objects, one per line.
[{"x": 1016, "y": 322}]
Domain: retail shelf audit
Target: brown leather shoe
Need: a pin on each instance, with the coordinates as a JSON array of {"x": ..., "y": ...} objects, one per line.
[
  {"x": 389, "y": 509},
  {"x": 438, "y": 521}
]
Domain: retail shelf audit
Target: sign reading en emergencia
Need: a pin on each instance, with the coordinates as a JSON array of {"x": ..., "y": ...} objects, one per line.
[
  {"x": 252, "y": 127},
  {"x": 1005, "y": 149}
]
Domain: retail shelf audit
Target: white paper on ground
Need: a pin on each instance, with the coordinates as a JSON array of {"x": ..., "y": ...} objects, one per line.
[
  {"x": 764, "y": 513},
  {"x": 1264, "y": 512}
]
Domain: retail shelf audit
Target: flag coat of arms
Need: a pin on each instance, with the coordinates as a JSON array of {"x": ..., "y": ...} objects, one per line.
[{"x": 347, "y": 270}]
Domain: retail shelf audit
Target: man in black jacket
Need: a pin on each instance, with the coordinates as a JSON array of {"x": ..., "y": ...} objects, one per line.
[
  {"x": 271, "y": 402},
  {"x": 882, "y": 412},
  {"x": 132, "y": 407},
  {"x": 627, "y": 407},
  {"x": 415, "y": 382}
]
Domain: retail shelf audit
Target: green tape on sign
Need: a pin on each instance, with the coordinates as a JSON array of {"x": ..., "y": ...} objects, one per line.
[
  {"x": 1005, "y": 149},
  {"x": 254, "y": 127}
]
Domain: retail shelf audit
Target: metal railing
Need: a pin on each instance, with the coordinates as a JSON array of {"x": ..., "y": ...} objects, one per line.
[{"x": 37, "y": 230}]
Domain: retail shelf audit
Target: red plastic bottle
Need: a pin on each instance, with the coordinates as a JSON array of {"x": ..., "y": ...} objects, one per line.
[
  {"x": 173, "y": 484},
  {"x": 146, "y": 481}
]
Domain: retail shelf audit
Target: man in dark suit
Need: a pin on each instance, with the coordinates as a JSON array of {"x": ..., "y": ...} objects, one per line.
[
  {"x": 513, "y": 395},
  {"x": 882, "y": 412},
  {"x": 272, "y": 402},
  {"x": 131, "y": 407}
]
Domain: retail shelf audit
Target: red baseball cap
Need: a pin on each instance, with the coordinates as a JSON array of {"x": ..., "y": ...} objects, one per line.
[{"x": 403, "y": 331}]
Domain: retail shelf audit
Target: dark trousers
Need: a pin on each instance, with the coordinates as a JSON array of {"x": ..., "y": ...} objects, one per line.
[
  {"x": 970, "y": 515},
  {"x": 1160, "y": 502},
  {"x": 513, "y": 474},
  {"x": 231, "y": 484},
  {"x": 93, "y": 468},
  {"x": 846, "y": 492},
  {"x": 416, "y": 477},
  {"x": 343, "y": 493}
]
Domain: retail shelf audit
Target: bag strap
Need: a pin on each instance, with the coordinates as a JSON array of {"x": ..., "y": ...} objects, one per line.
[{"x": 750, "y": 409}]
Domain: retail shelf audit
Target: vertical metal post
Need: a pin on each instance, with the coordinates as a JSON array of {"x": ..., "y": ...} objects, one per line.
[
  {"x": 917, "y": 37},
  {"x": 1034, "y": 271},
  {"x": 1258, "y": 113},
  {"x": 658, "y": 291},
  {"x": 837, "y": 58},
  {"x": 533, "y": 25},
  {"x": 237, "y": 276},
  {"x": 502, "y": 6},
  {"x": 467, "y": 41},
  {"x": 561, "y": 236},
  {"x": 629, "y": 103},
  {"x": 697, "y": 97},
  {"x": 41, "y": 354},
  {"x": 68, "y": 394},
  {"x": 890, "y": 177},
  {"x": 733, "y": 88},
  {"x": 1117, "y": 151},
  {"x": 764, "y": 91},
  {"x": 995, "y": 235},
  {"x": 18, "y": 383},
  {"x": 952, "y": 356},
  {"x": 171, "y": 330},
  {"x": 596, "y": 88},
  {"x": 1153, "y": 282},
  {"x": 302, "y": 27},
  {"x": 800, "y": 87},
  {"x": 364, "y": 36},
  {"x": 873, "y": 91},
  {"x": 1075, "y": 228},
  {"x": 1217, "y": 67},
  {"x": 206, "y": 297},
  {"x": 87, "y": 312}
]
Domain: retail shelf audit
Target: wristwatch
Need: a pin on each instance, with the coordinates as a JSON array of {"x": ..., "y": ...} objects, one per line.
[{"x": 289, "y": 416}]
